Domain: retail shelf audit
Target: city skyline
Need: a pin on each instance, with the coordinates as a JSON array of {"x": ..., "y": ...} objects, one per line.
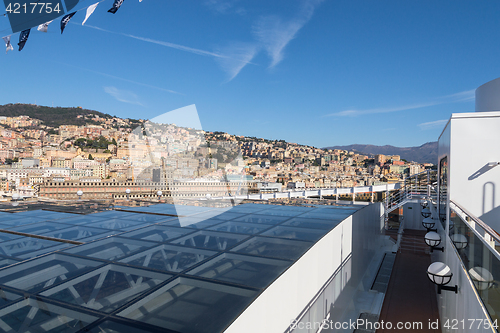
[{"x": 374, "y": 73}]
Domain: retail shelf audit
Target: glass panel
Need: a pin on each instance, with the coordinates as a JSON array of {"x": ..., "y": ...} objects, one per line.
[
  {"x": 82, "y": 219},
  {"x": 40, "y": 228},
  {"x": 480, "y": 262},
  {"x": 146, "y": 218},
  {"x": 44, "y": 250},
  {"x": 220, "y": 216},
  {"x": 7, "y": 262},
  {"x": 41, "y": 273},
  {"x": 113, "y": 214},
  {"x": 312, "y": 223},
  {"x": 248, "y": 208},
  {"x": 330, "y": 214},
  {"x": 251, "y": 271},
  {"x": 157, "y": 233},
  {"x": 19, "y": 220},
  {"x": 7, "y": 297},
  {"x": 265, "y": 219},
  {"x": 169, "y": 258},
  {"x": 193, "y": 222},
  {"x": 295, "y": 233},
  {"x": 117, "y": 224},
  {"x": 114, "y": 327},
  {"x": 443, "y": 190},
  {"x": 273, "y": 247},
  {"x": 280, "y": 212},
  {"x": 32, "y": 315},
  {"x": 188, "y": 305},
  {"x": 210, "y": 240},
  {"x": 5, "y": 236},
  {"x": 25, "y": 246},
  {"x": 112, "y": 248},
  {"x": 106, "y": 288},
  {"x": 240, "y": 227},
  {"x": 76, "y": 233}
]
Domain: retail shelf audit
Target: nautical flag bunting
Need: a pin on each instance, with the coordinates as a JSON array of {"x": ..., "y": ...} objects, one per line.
[
  {"x": 65, "y": 21},
  {"x": 43, "y": 27},
  {"x": 90, "y": 10},
  {"x": 8, "y": 44},
  {"x": 23, "y": 37},
  {"x": 116, "y": 5}
]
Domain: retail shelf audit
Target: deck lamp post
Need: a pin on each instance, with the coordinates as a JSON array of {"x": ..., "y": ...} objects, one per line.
[
  {"x": 428, "y": 224},
  {"x": 128, "y": 193},
  {"x": 481, "y": 277},
  {"x": 460, "y": 241},
  {"x": 79, "y": 193},
  {"x": 426, "y": 212},
  {"x": 159, "y": 193},
  {"x": 442, "y": 216},
  {"x": 440, "y": 274},
  {"x": 433, "y": 239}
]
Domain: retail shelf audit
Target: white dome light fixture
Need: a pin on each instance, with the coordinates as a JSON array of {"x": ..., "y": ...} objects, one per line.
[
  {"x": 159, "y": 194},
  {"x": 481, "y": 277},
  {"x": 433, "y": 239},
  {"x": 127, "y": 191},
  {"x": 429, "y": 224},
  {"x": 79, "y": 193},
  {"x": 426, "y": 212},
  {"x": 459, "y": 240},
  {"x": 440, "y": 274}
]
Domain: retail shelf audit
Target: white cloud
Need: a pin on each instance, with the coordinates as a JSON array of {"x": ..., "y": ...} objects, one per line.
[
  {"x": 123, "y": 95},
  {"x": 238, "y": 55},
  {"x": 232, "y": 58},
  {"x": 463, "y": 96},
  {"x": 275, "y": 34},
  {"x": 225, "y": 6},
  {"x": 167, "y": 44},
  {"x": 432, "y": 124},
  {"x": 123, "y": 79}
]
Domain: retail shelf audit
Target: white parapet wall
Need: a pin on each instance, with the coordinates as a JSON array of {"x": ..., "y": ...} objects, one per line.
[{"x": 347, "y": 249}]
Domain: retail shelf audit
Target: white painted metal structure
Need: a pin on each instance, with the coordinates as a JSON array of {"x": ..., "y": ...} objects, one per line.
[
  {"x": 470, "y": 141},
  {"x": 343, "y": 256},
  {"x": 317, "y": 192}
]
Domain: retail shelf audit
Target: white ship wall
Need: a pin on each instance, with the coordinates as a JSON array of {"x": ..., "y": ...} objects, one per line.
[{"x": 344, "y": 254}]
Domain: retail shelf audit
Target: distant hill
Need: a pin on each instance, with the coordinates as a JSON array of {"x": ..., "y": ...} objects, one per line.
[
  {"x": 51, "y": 116},
  {"x": 426, "y": 153}
]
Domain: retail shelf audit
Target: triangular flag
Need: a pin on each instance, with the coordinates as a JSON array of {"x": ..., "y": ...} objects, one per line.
[
  {"x": 90, "y": 10},
  {"x": 43, "y": 27},
  {"x": 23, "y": 37},
  {"x": 116, "y": 5},
  {"x": 65, "y": 20},
  {"x": 8, "y": 44}
]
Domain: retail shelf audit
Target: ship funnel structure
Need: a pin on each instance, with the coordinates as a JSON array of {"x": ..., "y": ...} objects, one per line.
[{"x": 488, "y": 96}]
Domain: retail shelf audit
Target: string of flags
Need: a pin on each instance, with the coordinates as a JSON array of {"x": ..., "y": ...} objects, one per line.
[{"x": 23, "y": 36}]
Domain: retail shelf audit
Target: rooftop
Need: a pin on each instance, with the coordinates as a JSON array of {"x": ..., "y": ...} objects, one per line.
[{"x": 145, "y": 269}]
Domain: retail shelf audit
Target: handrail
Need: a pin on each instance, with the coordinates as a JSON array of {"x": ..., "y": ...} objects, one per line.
[{"x": 495, "y": 235}]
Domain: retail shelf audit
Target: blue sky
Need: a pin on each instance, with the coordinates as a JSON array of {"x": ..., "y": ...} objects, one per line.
[{"x": 314, "y": 72}]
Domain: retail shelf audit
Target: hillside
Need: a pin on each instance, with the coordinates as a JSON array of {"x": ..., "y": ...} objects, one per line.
[
  {"x": 426, "y": 153},
  {"x": 51, "y": 116}
]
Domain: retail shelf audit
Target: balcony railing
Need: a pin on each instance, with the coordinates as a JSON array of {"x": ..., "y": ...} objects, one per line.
[{"x": 476, "y": 244}]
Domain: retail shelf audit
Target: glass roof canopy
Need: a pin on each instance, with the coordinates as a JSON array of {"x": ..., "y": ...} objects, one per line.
[{"x": 141, "y": 271}]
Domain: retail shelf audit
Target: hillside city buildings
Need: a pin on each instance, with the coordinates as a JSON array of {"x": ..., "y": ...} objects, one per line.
[{"x": 37, "y": 159}]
